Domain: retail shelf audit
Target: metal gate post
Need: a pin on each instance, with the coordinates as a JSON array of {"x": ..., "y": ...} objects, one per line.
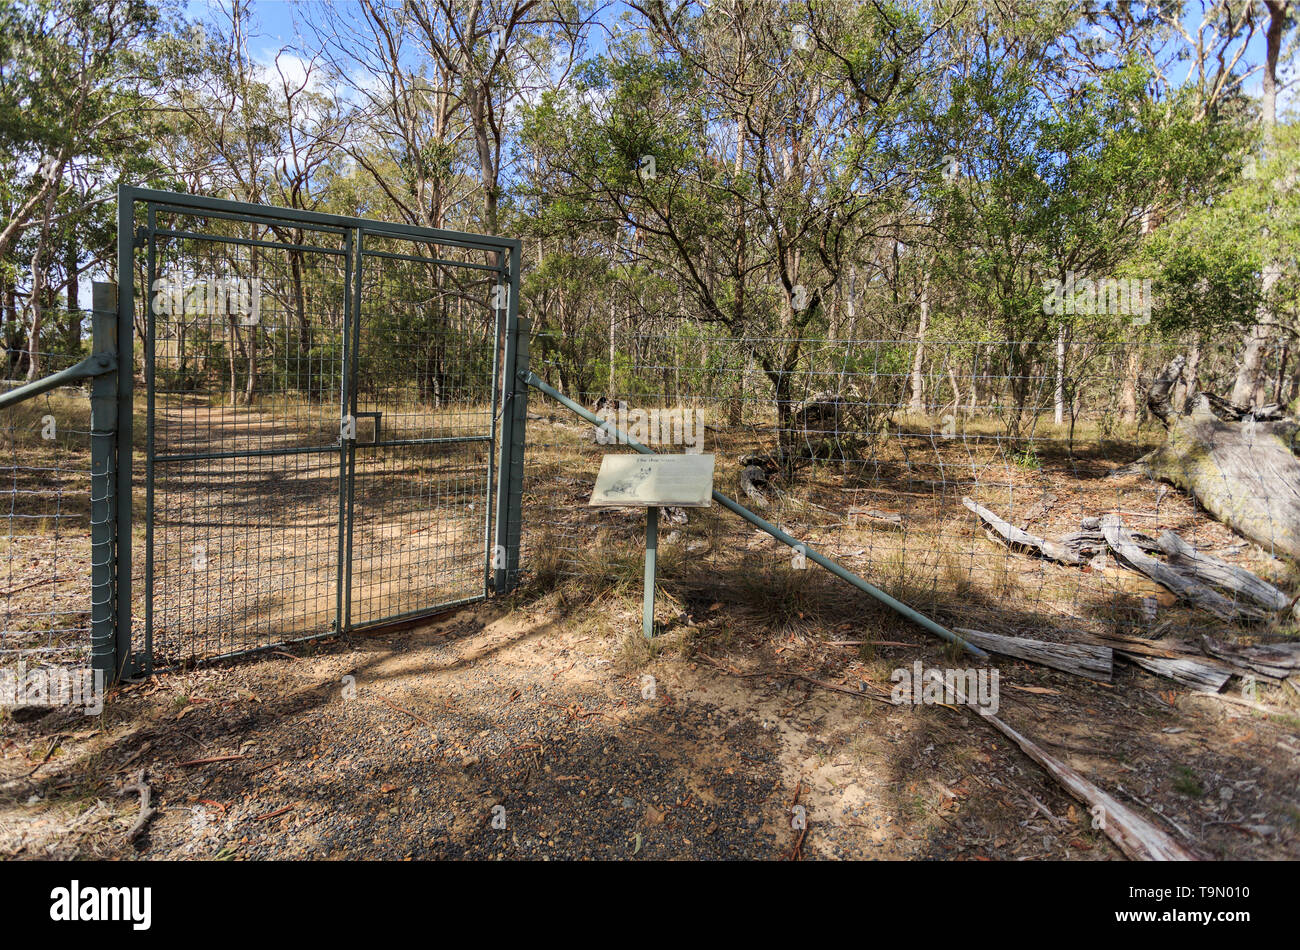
[
  {"x": 125, "y": 430},
  {"x": 348, "y": 424},
  {"x": 514, "y": 418},
  {"x": 513, "y": 486},
  {"x": 105, "y": 660}
]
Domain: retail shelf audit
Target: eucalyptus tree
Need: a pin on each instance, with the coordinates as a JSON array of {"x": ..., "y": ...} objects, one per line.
[
  {"x": 435, "y": 87},
  {"x": 1281, "y": 20},
  {"x": 262, "y": 129},
  {"x": 71, "y": 110},
  {"x": 743, "y": 153},
  {"x": 1058, "y": 164}
]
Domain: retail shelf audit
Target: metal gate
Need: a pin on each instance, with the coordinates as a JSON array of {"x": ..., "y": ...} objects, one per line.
[{"x": 324, "y": 429}]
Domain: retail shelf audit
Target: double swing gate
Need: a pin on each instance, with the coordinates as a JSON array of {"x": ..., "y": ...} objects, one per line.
[
  {"x": 332, "y": 427},
  {"x": 324, "y": 421}
]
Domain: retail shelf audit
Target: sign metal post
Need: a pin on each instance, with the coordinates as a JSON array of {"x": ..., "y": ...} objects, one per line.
[{"x": 653, "y": 482}]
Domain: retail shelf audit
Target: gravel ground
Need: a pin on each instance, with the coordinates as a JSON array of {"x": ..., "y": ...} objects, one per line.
[{"x": 534, "y": 734}]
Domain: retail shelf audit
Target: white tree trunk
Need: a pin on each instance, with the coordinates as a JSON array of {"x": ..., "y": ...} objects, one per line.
[
  {"x": 917, "y": 405},
  {"x": 1059, "y": 416}
]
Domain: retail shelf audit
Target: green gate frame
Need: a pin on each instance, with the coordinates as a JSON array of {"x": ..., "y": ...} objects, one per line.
[{"x": 507, "y": 421}]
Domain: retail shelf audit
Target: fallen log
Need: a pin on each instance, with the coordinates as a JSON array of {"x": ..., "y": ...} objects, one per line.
[
  {"x": 1188, "y": 573},
  {"x": 1138, "y": 838},
  {"x": 1141, "y": 646},
  {"x": 827, "y": 411},
  {"x": 1222, "y": 574},
  {"x": 751, "y": 476},
  {"x": 1195, "y": 674},
  {"x": 1089, "y": 542},
  {"x": 1126, "y": 549},
  {"x": 1171, "y": 659},
  {"x": 1278, "y": 660},
  {"x": 1019, "y": 538},
  {"x": 1093, "y": 661},
  {"x": 893, "y": 518}
]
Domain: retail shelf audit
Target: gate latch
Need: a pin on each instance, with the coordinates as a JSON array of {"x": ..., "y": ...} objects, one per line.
[{"x": 378, "y": 418}]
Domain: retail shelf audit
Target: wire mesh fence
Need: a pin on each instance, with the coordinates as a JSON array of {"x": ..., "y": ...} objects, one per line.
[
  {"x": 45, "y": 533},
  {"x": 322, "y": 429},
  {"x": 888, "y": 457}
]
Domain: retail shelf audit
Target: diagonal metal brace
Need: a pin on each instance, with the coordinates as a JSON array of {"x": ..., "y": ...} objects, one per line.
[{"x": 97, "y": 364}]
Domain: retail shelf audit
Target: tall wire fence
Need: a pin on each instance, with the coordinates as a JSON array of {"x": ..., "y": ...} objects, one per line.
[
  {"x": 887, "y": 461},
  {"x": 45, "y": 523},
  {"x": 316, "y": 404}
]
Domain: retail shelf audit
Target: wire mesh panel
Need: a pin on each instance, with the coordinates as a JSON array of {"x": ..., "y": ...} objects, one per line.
[
  {"x": 423, "y": 403},
  {"x": 45, "y": 523},
  {"x": 245, "y": 359}
]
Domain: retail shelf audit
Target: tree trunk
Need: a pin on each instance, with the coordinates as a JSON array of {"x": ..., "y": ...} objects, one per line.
[
  {"x": 613, "y": 344},
  {"x": 72, "y": 269},
  {"x": 1128, "y": 406},
  {"x": 12, "y": 327},
  {"x": 1186, "y": 385},
  {"x": 305, "y": 375},
  {"x": 1059, "y": 416},
  {"x": 1244, "y": 473},
  {"x": 917, "y": 405},
  {"x": 250, "y": 383},
  {"x": 232, "y": 322},
  {"x": 37, "y": 298},
  {"x": 1279, "y": 384},
  {"x": 1250, "y": 367}
]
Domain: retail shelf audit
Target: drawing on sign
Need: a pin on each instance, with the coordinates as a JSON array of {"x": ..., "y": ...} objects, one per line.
[{"x": 630, "y": 484}]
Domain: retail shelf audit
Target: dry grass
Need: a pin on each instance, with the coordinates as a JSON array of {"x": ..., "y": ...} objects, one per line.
[{"x": 940, "y": 561}]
